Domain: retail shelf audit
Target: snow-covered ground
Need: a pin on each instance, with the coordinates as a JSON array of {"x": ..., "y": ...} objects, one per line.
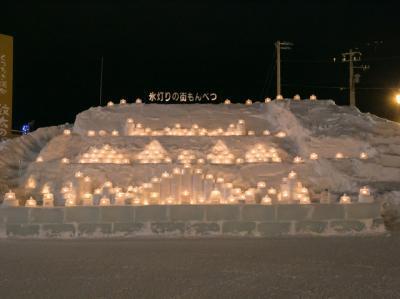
[{"x": 311, "y": 126}]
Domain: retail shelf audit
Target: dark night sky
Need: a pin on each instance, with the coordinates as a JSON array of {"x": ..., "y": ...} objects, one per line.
[{"x": 222, "y": 46}]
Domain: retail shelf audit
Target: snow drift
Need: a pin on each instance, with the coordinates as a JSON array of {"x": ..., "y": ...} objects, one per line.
[{"x": 311, "y": 126}]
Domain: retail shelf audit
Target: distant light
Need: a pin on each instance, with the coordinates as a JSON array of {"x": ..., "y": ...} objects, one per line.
[
  {"x": 26, "y": 128},
  {"x": 398, "y": 98}
]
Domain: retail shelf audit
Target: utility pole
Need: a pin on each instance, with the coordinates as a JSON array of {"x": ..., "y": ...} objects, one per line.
[
  {"x": 351, "y": 57},
  {"x": 280, "y": 46}
]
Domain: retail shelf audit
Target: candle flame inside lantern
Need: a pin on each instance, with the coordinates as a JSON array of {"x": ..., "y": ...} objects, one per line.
[
  {"x": 365, "y": 191},
  {"x": 298, "y": 160},
  {"x": 39, "y": 159},
  {"x": 249, "y": 102},
  {"x": 339, "y": 155},
  {"x": 31, "y": 202},
  {"x": 313, "y": 156},
  {"x": 104, "y": 201},
  {"x": 281, "y": 134},
  {"x": 363, "y": 156},
  {"x": 67, "y": 132},
  {"x": 227, "y": 102},
  {"x": 279, "y": 97},
  {"x": 91, "y": 133},
  {"x": 266, "y": 200},
  {"x": 345, "y": 199},
  {"x": 65, "y": 160},
  {"x": 267, "y": 100}
]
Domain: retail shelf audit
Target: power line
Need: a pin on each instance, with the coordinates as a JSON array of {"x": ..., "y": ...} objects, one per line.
[{"x": 341, "y": 87}]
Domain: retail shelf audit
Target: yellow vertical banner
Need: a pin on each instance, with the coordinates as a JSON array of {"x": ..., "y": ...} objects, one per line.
[{"x": 6, "y": 84}]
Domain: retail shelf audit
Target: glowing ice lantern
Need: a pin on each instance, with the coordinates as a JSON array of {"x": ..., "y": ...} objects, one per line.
[
  {"x": 280, "y": 134},
  {"x": 67, "y": 132},
  {"x": 138, "y": 101},
  {"x": 266, "y": 200},
  {"x": 102, "y": 133},
  {"x": 272, "y": 191},
  {"x": 249, "y": 102},
  {"x": 110, "y": 104},
  {"x": 304, "y": 199},
  {"x": 249, "y": 196},
  {"x": 292, "y": 175},
  {"x": 227, "y": 102},
  {"x": 363, "y": 156},
  {"x": 267, "y": 100},
  {"x": 365, "y": 195},
  {"x": 215, "y": 196},
  {"x": 115, "y": 133},
  {"x": 31, "y": 183},
  {"x": 39, "y": 159},
  {"x": 31, "y": 203},
  {"x": 298, "y": 160},
  {"x": 266, "y": 133},
  {"x": 104, "y": 201},
  {"x": 297, "y": 97},
  {"x": 91, "y": 133},
  {"x": 279, "y": 97},
  {"x": 122, "y": 101},
  {"x": 48, "y": 200},
  {"x": 251, "y": 133},
  {"x": 65, "y": 160},
  {"x": 87, "y": 199},
  {"x": 239, "y": 161},
  {"x": 185, "y": 197},
  {"x": 120, "y": 198},
  {"x": 10, "y": 200},
  {"x": 313, "y": 156},
  {"x": 45, "y": 189},
  {"x": 339, "y": 155},
  {"x": 70, "y": 200},
  {"x": 313, "y": 97},
  {"x": 345, "y": 199}
]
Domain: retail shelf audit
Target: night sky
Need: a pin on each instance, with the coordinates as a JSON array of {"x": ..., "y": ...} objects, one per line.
[{"x": 197, "y": 46}]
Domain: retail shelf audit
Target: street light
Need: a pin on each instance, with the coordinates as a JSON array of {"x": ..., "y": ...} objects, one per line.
[{"x": 397, "y": 98}]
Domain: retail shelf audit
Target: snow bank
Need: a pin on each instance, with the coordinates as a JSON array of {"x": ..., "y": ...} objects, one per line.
[{"x": 311, "y": 126}]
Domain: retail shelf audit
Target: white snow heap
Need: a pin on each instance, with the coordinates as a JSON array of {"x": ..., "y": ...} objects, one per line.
[
  {"x": 314, "y": 130},
  {"x": 220, "y": 154},
  {"x": 104, "y": 154},
  {"x": 153, "y": 153}
]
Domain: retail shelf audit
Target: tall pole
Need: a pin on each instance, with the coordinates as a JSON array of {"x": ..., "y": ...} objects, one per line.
[
  {"x": 351, "y": 57},
  {"x": 101, "y": 80},
  {"x": 278, "y": 67},
  {"x": 351, "y": 80}
]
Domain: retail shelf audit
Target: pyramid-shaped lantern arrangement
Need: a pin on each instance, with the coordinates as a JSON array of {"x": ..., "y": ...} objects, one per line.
[
  {"x": 257, "y": 154},
  {"x": 105, "y": 154},
  {"x": 186, "y": 157},
  {"x": 220, "y": 154},
  {"x": 153, "y": 153}
]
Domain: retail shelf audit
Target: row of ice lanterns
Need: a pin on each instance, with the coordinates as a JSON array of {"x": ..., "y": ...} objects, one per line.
[
  {"x": 219, "y": 192},
  {"x": 227, "y": 101},
  {"x": 182, "y": 186}
]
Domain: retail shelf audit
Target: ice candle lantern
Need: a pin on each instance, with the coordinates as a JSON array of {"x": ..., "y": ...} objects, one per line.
[
  {"x": 365, "y": 196},
  {"x": 10, "y": 200},
  {"x": 345, "y": 199}
]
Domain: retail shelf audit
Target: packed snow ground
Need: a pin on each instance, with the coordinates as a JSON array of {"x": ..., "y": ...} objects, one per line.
[{"x": 311, "y": 126}]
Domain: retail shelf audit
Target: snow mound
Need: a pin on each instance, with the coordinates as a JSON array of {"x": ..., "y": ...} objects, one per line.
[{"x": 295, "y": 129}]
